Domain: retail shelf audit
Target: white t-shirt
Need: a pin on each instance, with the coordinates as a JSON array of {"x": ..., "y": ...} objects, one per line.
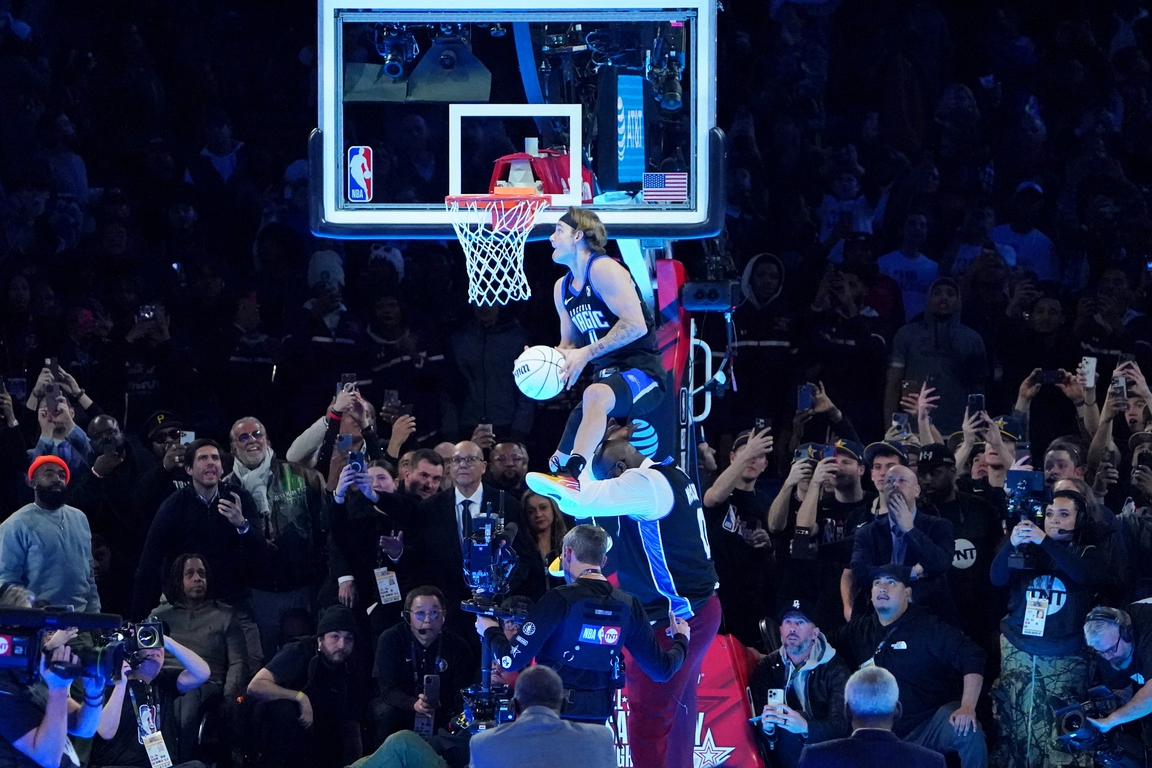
[
  {"x": 1034, "y": 251},
  {"x": 915, "y": 276}
]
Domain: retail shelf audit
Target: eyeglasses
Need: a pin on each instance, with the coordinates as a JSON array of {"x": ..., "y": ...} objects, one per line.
[
  {"x": 1109, "y": 651},
  {"x": 509, "y": 459},
  {"x": 432, "y": 616},
  {"x": 244, "y": 437},
  {"x": 458, "y": 460}
]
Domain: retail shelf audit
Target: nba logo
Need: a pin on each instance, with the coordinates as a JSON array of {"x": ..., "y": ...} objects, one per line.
[{"x": 360, "y": 174}]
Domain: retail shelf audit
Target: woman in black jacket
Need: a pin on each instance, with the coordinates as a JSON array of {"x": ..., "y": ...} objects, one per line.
[{"x": 1042, "y": 640}]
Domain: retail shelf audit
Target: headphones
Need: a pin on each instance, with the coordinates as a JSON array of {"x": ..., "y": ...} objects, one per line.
[{"x": 1112, "y": 616}]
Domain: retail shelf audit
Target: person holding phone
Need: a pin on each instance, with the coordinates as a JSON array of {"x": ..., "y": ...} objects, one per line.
[
  {"x": 218, "y": 520},
  {"x": 737, "y": 519},
  {"x": 798, "y": 689},
  {"x": 836, "y": 495},
  {"x": 59, "y": 435},
  {"x": 293, "y": 513}
]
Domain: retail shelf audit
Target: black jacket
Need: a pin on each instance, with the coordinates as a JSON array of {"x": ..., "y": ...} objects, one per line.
[
  {"x": 870, "y": 748},
  {"x": 822, "y": 680},
  {"x": 927, "y": 657},
  {"x": 930, "y": 544},
  {"x": 184, "y": 523}
]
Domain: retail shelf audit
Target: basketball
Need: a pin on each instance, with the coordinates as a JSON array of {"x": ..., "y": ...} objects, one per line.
[{"x": 537, "y": 372}]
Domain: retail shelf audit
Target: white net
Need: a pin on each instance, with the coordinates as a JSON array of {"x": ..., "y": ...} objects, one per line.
[{"x": 492, "y": 231}]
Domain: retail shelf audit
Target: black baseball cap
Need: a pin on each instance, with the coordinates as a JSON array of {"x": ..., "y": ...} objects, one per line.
[
  {"x": 885, "y": 448},
  {"x": 799, "y": 606},
  {"x": 935, "y": 455},
  {"x": 161, "y": 420},
  {"x": 900, "y": 573}
]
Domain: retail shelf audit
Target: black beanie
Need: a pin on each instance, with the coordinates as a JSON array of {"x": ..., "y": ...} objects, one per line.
[{"x": 337, "y": 618}]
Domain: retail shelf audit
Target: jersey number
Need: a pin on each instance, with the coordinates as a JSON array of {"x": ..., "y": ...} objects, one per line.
[{"x": 703, "y": 532}]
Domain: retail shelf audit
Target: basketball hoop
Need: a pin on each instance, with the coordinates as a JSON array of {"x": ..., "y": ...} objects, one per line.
[{"x": 492, "y": 229}]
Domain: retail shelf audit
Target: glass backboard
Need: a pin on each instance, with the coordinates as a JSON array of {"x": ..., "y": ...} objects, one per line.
[{"x": 612, "y": 107}]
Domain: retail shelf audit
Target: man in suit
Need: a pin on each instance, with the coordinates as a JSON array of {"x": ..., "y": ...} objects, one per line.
[
  {"x": 903, "y": 535},
  {"x": 538, "y": 738},
  {"x": 871, "y": 701},
  {"x": 443, "y": 521}
]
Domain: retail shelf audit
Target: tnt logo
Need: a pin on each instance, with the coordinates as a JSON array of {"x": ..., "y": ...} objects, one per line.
[
  {"x": 360, "y": 174},
  {"x": 5, "y": 645},
  {"x": 1050, "y": 588},
  {"x": 600, "y": 635},
  {"x": 964, "y": 555}
]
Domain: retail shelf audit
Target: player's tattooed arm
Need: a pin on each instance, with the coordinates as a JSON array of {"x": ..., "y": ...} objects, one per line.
[{"x": 614, "y": 284}]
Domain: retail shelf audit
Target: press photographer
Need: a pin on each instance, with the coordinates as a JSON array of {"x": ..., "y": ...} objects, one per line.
[
  {"x": 139, "y": 723},
  {"x": 579, "y": 630},
  {"x": 37, "y": 715}
]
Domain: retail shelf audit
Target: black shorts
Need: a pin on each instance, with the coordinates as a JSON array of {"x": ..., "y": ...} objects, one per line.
[{"x": 637, "y": 393}]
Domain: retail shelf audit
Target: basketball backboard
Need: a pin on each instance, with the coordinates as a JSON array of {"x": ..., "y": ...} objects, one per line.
[{"x": 422, "y": 99}]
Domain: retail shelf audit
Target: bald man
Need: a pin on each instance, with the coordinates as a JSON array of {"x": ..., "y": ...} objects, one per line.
[{"x": 903, "y": 535}]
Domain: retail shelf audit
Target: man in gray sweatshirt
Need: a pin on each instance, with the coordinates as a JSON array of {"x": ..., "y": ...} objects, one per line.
[{"x": 46, "y": 546}]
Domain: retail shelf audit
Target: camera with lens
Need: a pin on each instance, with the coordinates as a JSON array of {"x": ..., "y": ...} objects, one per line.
[
  {"x": 489, "y": 561},
  {"x": 1027, "y": 500},
  {"x": 1074, "y": 733},
  {"x": 22, "y": 632},
  {"x": 135, "y": 638}
]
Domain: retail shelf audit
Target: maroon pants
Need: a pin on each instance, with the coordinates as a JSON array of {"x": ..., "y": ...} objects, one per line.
[{"x": 662, "y": 716}]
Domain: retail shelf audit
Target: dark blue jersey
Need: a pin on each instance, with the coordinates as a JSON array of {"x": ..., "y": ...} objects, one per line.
[
  {"x": 592, "y": 319},
  {"x": 665, "y": 563}
]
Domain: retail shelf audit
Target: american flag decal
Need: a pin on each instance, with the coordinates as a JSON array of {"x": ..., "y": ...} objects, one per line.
[{"x": 665, "y": 187}]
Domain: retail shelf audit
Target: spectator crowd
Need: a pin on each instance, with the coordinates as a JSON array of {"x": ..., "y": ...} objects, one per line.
[{"x": 939, "y": 214}]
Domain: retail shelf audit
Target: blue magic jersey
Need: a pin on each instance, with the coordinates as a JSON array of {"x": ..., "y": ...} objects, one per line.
[
  {"x": 592, "y": 320},
  {"x": 665, "y": 563}
]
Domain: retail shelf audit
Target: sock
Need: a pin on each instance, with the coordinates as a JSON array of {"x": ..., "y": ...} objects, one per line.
[{"x": 575, "y": 464}]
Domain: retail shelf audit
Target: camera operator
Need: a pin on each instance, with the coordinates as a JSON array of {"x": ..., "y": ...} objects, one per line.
[
  {"x": 34, "y": 723},
  {"x": 144, "y": 702},
  {"x": 1041, "y": 642},
  {"x": 1122, "y": 639},
  {"x": 579, "y": 629}
]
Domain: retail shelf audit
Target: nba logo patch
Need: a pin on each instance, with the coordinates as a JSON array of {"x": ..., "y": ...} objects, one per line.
[{"x": 360, "y": 174}]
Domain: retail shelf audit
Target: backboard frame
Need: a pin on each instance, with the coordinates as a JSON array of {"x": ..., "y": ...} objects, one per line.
[{"x": 331, "y": 216}]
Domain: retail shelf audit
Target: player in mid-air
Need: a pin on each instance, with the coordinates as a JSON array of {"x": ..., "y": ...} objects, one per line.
[{"x": 603, "y": 321}]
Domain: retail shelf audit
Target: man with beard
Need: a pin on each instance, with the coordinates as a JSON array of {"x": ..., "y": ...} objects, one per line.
[
  {"x": 46, "y": 546},
  {"x": 1136, "y": 517},
  {"x": 507, "y": 466},
  {"x": 290, "y": 499},
  {"x": 145, "y": 701},
  {"x": 977, "y": 533},
  {"x": 310, "y": 700},
  {"x": 1122, "y": 641},
  {"x": 812, "y": 678},
  {"x": 905, "y": 535}
]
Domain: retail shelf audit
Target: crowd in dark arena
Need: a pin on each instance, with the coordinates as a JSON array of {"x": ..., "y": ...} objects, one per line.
[{"x": 918, "y": 515}]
